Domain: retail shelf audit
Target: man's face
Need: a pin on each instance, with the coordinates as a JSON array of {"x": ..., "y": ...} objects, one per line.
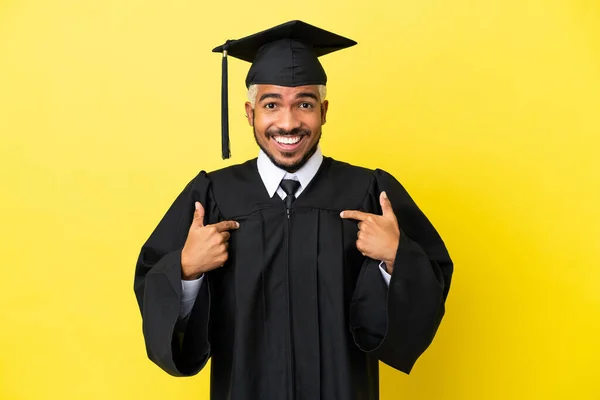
[{"x": 287, "y": 123}]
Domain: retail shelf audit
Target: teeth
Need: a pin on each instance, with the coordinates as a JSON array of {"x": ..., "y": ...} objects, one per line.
[{"x": 287, "y": 139}]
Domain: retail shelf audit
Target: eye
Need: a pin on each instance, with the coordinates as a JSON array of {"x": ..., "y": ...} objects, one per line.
[
  {"x": 270, "y": 105},
  {"x": 306, "y": 105}
]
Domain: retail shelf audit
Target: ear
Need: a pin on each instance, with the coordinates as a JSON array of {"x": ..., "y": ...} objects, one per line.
[
  {"x": 249, "y": 113},
  {"x": 324, "y": 108}
]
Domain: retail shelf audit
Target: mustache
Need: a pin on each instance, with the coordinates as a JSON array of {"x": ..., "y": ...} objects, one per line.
[{"x": 283, "y": 132}]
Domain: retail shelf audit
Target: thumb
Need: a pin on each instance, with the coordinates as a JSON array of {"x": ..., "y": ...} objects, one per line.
[
  {"x": 198, "y": 215},
  {"x": 386, "y": 205}
]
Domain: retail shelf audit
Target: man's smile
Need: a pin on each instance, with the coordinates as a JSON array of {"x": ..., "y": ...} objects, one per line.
[{"x": 288, "y": 143}]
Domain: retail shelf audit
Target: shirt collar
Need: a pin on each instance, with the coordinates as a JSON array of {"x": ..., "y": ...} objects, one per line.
[{"x": 272, "y": 175}]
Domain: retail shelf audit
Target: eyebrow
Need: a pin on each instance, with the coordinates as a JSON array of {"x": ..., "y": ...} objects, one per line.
[
  {"x": 270, "y": 95},
  {"x": 307, "y": 94}
]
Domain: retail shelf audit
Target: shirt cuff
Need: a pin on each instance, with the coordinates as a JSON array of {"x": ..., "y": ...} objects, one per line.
[
  {"x": 386, "y": 276},
  {"x": 189, "y": 292}
]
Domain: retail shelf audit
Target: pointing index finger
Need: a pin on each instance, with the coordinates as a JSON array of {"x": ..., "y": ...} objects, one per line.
[
  {"x": 226, "y": 225},
  {"x": 353, "y": 214}
]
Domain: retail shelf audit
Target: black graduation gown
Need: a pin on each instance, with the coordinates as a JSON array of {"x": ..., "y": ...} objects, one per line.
[{"x": 296, "y": 312}]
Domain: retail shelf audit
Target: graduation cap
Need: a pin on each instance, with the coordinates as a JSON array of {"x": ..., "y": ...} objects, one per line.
[{"x": 285, "y": 55}]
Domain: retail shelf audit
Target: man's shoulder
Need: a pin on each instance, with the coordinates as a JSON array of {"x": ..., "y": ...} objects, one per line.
[
  {"x": 356, "y": 169},
  {"x": 358, "y": 176},
  {"x": 344, "y": 168},
  {"x": 236, "y": 170}
]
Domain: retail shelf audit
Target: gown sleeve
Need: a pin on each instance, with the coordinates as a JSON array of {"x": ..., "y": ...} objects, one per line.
[
  {"x": 179, "y": 347},
  {"x": 397, "y": 324}
]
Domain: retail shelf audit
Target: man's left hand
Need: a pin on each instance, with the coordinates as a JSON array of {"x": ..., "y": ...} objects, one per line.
[{"x": 378, "y": 235}]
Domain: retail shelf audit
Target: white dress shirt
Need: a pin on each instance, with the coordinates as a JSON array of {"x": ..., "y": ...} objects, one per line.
[{"x": 271, "y": 176}]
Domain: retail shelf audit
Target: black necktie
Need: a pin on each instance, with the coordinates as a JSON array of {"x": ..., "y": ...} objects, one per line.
[{"x": 290, "y": 188}]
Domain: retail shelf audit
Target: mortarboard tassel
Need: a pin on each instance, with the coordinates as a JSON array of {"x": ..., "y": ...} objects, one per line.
[{"x": 225, "y": 108}]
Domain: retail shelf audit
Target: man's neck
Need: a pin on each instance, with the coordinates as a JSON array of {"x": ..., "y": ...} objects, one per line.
[{"x": 271, "y": 174}]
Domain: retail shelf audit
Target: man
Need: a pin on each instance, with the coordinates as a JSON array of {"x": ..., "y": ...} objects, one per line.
[{"x": 296, "y": 273}]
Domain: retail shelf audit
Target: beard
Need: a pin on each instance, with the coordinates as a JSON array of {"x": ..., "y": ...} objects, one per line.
[{"x": 294, "y": 132}]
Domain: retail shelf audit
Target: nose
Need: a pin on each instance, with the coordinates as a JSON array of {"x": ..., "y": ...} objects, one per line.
[{"x": 288, "y": 120}]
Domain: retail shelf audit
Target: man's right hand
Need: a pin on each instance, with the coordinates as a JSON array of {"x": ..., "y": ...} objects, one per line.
[{"x": 206, "y": 246}]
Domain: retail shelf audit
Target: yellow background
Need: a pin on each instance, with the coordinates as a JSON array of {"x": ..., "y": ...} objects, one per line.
[{"x": 487, "y": 111}]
